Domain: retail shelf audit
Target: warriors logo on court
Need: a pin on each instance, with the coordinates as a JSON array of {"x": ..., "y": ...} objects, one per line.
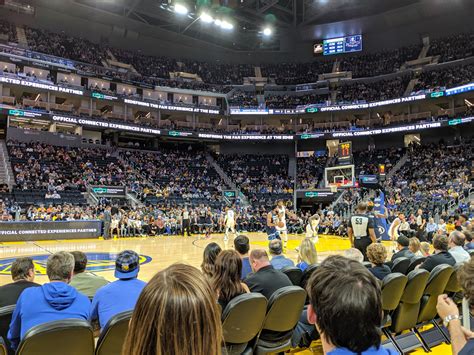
[{"x": 96, "y": 262}]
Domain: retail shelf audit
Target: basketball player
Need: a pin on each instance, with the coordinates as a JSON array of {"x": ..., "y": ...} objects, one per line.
[
  {"x": 282, "y": 212},
  {"x": 229, "y": 223},
  {"x": 393, "y": 231},
  {"x": 273, "y": 223},
  {"x": 312, "y": 228}
]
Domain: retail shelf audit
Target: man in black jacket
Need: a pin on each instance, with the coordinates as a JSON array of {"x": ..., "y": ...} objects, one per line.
[
  {"x": 403, "y": 251},
  {"x": 265, "y": 279},
  {"x": 440, "y": 256},
  {"x": 23, "y": 275}
]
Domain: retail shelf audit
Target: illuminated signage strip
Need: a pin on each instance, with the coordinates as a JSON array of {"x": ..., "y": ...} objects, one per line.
[
  {"x": 22, "y": 113},
  {"x": 312, "y": 109},
  {"x": 171, "y": 107},
  {"x": 245, "y": 137},
  {"x": 102, "y": 124},
  {"x": 37, "y": 85},
  {"x": 371, "y": 132},
  {"x": 460, "y": 89}
]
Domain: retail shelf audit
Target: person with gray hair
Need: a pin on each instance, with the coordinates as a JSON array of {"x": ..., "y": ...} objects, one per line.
[
  {"x": 279, "y": 261},
  {"x": 456, "y": 247},
  {"x": 52, "y": 301},
  {"x": 23, "y": 275},
  {"x": 354, "y": 254}
]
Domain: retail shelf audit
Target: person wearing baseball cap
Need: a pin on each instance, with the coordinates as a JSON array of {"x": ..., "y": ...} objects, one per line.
[
  {"x": 122, "y": 294},
  {"x": 403, "y": 251}
]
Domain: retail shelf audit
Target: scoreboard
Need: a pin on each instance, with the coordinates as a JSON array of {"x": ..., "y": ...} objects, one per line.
[
  {"x": 342, "y": 45},
  {"x": 344, "y": 152}
]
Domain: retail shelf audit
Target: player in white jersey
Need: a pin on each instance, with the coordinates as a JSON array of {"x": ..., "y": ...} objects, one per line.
[
  {"x": 312, "y": 227},
  {"x": 282, "y": 212},
  {"x": 229, "y": 222}
]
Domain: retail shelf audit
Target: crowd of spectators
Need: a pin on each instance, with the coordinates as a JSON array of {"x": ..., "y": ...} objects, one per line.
[
  {"x": 374, "y": 91},
  {"x": 297, "y": 73},
  {"x": 292, "y": 101},
  {"x": 310, "y": 171},
  {"x": 8, "y": 30},
  {"x": 62, "y": 45},
  {"x": 379, "y": 63},
  {"x": 433, "y": 176},
  {"x": 453, "y": 47},
  {"x": 262, "y": 178},
  {"x": 40, "y": 166},
  {"x": 174, "y": 173},
  {"x": 445, "y": 78},
  {"x": 367, "y": 161},
  {"x": 243, "y": 99}
]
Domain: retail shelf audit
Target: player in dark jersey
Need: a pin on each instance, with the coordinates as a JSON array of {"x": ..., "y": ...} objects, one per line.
[
  {"x": 361, "y": 230},
  {"x": 273, "y": 219}
]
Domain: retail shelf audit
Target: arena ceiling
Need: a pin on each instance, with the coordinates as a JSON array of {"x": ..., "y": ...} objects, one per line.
[{"x": 248, "y": 17}]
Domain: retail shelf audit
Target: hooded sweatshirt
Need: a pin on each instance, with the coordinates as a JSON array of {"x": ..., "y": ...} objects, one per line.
[{"x": 50, "y": 302}]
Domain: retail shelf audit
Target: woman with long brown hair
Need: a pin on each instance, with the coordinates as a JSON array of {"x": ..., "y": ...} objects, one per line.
[
  {"x": 176, "y": 313},
  {"x": 210, "y": 254},
  {"x": 226, "y": 280}
]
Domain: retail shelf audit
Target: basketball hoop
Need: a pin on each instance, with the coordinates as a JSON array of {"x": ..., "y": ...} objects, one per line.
[{"x": 333, "y": 188}]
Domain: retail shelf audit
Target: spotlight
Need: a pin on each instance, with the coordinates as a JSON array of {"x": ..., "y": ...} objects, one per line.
[
  {"x": 180, "y": 9},
  {"x": 205, "y": 17},
  {"x": 218, "y": 22},
  {"x": 226, "y": 25},
  {"x": 267, "y": 31}
]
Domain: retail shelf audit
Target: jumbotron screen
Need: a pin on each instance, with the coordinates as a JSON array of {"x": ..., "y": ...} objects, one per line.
[{"x": 342, "y": 45}]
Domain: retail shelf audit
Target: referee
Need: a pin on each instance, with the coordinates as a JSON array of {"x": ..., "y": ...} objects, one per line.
[{"x": 361, "y": 230}]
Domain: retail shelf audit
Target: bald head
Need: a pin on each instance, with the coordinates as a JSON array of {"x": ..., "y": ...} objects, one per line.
[
  {"x": 362, "y": 207},
  {"x": 258, "y": 258},
  {"x": 456, "y": 238}
]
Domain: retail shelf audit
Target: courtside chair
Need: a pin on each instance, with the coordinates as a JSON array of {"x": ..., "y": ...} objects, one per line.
[
  {"x": 112, "y": 336},
  {"x": 414, "y": 262},
  {"x": 393, "y": 286},
  {"x": 294, "y": 274},
  {"x": 5, "y": 319},
  {"x": 405, "y": 315},
  {"x": 66, "y": 336},
  {"x": 307, "y": 274},
  {"x": 283, "y": 312},
  {"x": 435, "y": 286},
  {"x": 242, "y": 320},
  {"x": 453, "y": 287},
  {"x": 400, "y": 265}
]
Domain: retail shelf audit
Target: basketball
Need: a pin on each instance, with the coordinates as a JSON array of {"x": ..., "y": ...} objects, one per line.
[{"x": 280, "y": 224}]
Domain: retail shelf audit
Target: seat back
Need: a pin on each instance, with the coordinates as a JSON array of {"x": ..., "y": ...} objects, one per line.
[
  {"x": 294, "y": 274},
  {"x": 243, "y": 318},
  {"x": 66, "y": 336},
  {"x": 414, "y": 262},
  {"x": 5, "y": 319},
  {"x": 3, "y": 347},
  {"x": 112, "y": 336},
  {"x": 453, "y": 285},
  {"x": 401, "y": 265},
  {"x": 307, "y": 274},
  {"x": 393, "y": 286},
  {"x": 284, "y": 309},
  {"x": 406, "y": 314},
  {"x": 435, "y": 286}
]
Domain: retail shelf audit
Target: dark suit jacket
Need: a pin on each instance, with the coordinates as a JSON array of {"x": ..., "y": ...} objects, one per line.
[
  {"x": 380, "y": 271},
  {"x": 267, "y": 280},
  {"x": 437, "y": 259},
  {"x": 9, "y": 293},
  {"x": 404, "y": 253}
]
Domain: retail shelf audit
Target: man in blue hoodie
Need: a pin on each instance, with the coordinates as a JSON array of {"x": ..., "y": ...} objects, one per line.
[
  {"x": 121, "y": 295},
  {"x": 55, "y": 300}
]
